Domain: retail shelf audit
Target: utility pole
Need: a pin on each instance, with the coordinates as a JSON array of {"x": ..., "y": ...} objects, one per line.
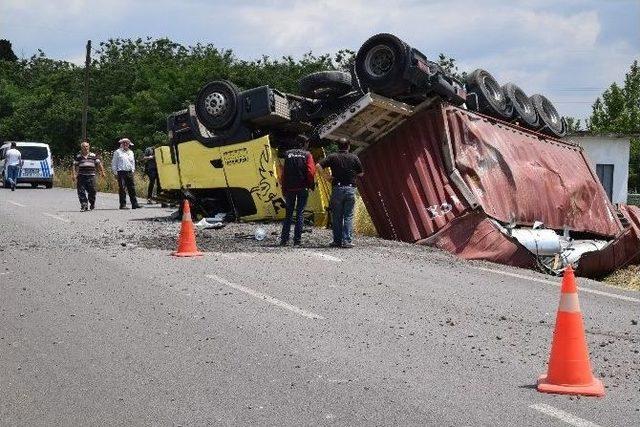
[{"x": 85, "y": 105}]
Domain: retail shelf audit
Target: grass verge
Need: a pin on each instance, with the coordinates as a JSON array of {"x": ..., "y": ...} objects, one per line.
[
  {"x": 108, "y": 184},
  {"x": 625, "y": 278}
]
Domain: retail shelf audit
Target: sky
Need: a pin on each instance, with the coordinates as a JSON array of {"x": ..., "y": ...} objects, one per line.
[{"x": 569, "y": 51}]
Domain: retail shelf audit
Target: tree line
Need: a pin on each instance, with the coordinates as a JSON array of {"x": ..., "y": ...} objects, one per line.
[{"x": 134, "y": 86}]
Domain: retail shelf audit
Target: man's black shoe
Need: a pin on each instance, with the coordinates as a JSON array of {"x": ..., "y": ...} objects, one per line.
[
  {"x": 123, "y": 207},
  {"x": 283, "y": 243},
  {"x": 335, "y": 245},
  {"x": 92, "y": 206},
  {"x": 348, "y": 245},
  {"x": 83, "y": 207},
  {"x": 297, "y": 243},
  {"x": 135, "y": 207}
]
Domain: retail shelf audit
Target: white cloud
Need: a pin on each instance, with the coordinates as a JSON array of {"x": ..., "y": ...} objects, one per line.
[{"x": 542, "y": 45}]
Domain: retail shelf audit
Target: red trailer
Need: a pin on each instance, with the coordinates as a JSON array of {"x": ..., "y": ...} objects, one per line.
[{"x": 470, "y": 184}]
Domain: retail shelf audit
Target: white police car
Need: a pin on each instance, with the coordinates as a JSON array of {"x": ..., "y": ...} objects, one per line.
[{"x": 37, "y": 166}]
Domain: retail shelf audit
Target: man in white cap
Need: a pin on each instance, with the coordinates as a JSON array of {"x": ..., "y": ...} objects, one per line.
[{"x": 123, "y": 166}]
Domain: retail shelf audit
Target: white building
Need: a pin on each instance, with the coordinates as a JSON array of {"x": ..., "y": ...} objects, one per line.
[{"x": 609, "y": 158}]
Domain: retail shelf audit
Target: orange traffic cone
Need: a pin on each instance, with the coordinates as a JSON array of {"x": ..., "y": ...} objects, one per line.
[
  {"x": 187, "y": 239},
  {"x": 569, "y": 366}
]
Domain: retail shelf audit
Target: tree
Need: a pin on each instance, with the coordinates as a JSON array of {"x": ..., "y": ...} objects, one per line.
[
  {"x": 573, "y": 125},
  {"x": 6, "y": 52},
  {"x": 449, "y": 65},
  {"x": 618, "y": 111}
]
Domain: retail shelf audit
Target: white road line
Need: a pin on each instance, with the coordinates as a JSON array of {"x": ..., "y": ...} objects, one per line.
[
  {"x": 562, "y": 415},
  {"x": 324, "y": 256},
  {"x": 558, "y": 283},
  {"x": 266, "y": 298},
  {"x": 56, "y": 217},
  {"x": 16, "y": 203}
]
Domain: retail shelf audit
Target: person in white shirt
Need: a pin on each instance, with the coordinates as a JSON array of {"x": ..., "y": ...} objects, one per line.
[
  {"x": 123, "y": 166},
  {"x": 13, "y": 162}
]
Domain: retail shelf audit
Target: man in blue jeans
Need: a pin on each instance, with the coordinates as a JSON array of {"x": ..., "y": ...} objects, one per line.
[
  {"x": 13, "y": 160},
  {"x": 345, "y": 167},
  {"x": 297, "y": 179}
]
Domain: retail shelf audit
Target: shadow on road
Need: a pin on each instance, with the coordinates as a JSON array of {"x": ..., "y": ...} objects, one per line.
[{"x": 529, "y": 386}]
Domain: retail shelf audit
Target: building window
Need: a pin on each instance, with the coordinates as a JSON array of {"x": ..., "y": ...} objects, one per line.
[{"x": 605, "y": 174}]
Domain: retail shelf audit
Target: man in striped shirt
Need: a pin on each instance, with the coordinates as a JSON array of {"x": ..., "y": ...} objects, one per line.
[{"x": 84, "y": 174}]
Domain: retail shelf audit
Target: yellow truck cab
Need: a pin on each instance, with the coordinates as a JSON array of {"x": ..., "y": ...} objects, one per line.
[{"x": 238, "y": 178}]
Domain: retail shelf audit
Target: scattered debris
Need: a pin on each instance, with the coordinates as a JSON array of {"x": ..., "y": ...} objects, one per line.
[{"x": 208, "y": 224}]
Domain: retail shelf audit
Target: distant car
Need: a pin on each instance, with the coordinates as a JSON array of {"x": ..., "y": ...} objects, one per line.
[{"x": 37, "y": 166}]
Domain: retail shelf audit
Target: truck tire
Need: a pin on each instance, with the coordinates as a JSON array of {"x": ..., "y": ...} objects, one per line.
[
  {"x": 523, "y": 109},
  {"x": 551, "y": 123},
  {"x": 490, "y": 98},
  {"x": 217, "y": 104},
  {"x": 380, "y": 64},
  {"x": 325, "y": 84}
]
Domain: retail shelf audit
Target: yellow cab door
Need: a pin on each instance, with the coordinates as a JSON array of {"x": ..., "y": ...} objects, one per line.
[
  {"x": 167, "y": 168},
  {"x": 252, "y": 165},
  {"x": 201, "y": 167}
]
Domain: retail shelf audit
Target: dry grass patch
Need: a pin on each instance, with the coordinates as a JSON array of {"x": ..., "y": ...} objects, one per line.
[
  {"x": 108, "y": 184},
  {"x": 625, "y": 278},
  {"x": 362, "y": 221}
]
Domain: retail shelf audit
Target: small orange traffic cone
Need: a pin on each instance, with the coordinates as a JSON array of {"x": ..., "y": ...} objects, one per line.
[
  {"x": 187, "y": 239},
  {"x": 569, "y": 366}
]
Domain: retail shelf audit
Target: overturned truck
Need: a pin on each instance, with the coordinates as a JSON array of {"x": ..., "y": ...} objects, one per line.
[
  {"x": 487, "y": 178},
  {"x": 472, "y": 167}
]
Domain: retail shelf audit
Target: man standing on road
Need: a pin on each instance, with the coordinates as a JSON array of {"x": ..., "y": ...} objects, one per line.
[
  {"x": 84, "y": 174},
  {"x": 13, "y": 162},
  {"x": 297, "y": 179},
  {"x": 344, "y": 167},
  {"x": 123, "y": 166},
  {"x": 151, "y": 170}
]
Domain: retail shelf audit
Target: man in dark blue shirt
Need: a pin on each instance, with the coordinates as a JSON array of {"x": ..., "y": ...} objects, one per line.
[{"x": 345, "y": 167}]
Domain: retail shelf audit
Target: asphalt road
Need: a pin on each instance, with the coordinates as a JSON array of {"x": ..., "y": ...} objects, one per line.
[{"x": 97, "y": 331}]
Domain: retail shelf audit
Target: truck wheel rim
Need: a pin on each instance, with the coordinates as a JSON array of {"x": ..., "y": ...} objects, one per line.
[
  {"x": 550, "y": 112},
  {"x": 215, "y": 104},
  {"x": 492, "y": 89},
  {"x": 379, "y": 61},
  {"x": 522, "y": 101}
]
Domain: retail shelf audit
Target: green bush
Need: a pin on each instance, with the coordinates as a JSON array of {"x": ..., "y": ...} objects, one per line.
[{"x": 134, "y": 86}]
